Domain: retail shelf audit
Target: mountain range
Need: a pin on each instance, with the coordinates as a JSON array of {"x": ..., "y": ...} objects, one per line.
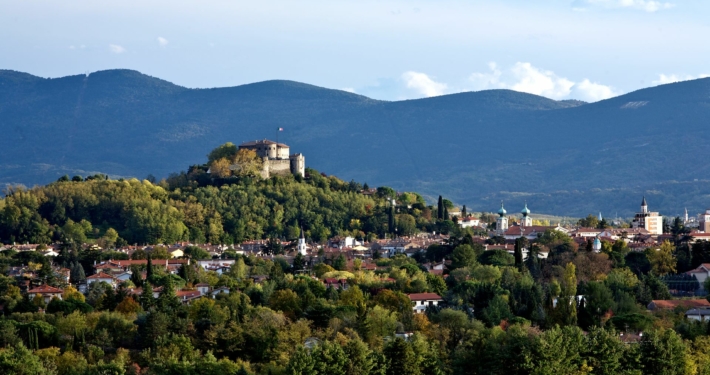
[{"x": 474, "y": 148}]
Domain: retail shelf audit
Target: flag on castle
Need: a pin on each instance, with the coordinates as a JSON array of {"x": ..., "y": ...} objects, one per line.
[{"x": 281, "y": 129}]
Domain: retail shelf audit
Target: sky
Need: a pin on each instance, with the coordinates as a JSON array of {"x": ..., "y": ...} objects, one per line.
[{"x": 390, "y": 50}]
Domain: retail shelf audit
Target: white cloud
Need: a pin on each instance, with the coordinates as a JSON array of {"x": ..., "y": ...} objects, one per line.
[
  {"x": 592, "y": 91},
  {"x": 645, "y": 5},
  {"x": 525, "y": 77},
  {"x": 348, "y": 89},
  {"x": 670, "y": 78},
  {"x": 423, "y": 84},
  {"x": 162, "y": 41},
  {"x": 115, "y": 48},
  {"x": 540, "y": 82}
]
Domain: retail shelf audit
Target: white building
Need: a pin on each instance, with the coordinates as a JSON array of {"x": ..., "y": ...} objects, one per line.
[
  {"x": 469, "y": 222},
  {"x": 420, "y": 301}
]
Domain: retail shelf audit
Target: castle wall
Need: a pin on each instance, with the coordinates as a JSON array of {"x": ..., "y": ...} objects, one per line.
[{"x": 274, "y": 167}]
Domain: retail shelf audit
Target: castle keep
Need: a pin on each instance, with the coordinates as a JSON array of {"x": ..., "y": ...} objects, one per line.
[{"x": 276, "y": 157}]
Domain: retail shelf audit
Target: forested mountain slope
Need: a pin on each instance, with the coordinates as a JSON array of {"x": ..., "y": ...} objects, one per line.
[{"x": 475, "y": 148}]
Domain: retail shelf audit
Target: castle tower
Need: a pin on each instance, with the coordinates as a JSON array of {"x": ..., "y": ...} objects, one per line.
[
  {"x": 526, "y": 221},
  {"x": 502, "y": 221},
  {"x": 302, "y": 243}
]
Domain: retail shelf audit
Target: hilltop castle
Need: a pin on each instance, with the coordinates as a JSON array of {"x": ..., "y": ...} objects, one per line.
[{"x": 277, "y": 160}]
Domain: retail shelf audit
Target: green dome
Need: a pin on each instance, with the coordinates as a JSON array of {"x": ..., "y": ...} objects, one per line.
[
  {"x": 502, "y": 210},
  {"x": 525, "y": 210}
]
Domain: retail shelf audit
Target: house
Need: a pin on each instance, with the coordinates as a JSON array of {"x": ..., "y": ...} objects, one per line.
[
  {"x": 336, "y": 283},
  {"x": 99, "y": 277},
  {"x": 701, "y": 314},
  {"x": 701, "y": 273},
  {"x": 187, "y": 296},
  {"x": 203, "y": 288},
  {"x": 420, "y": 301},
  {"x": 177, "y": 253},
  {"x": 220, "y": 290},
  {"x": 671, "y": 304},
  {"x": 469, "y": 222},
  {"x": 46, "y": 292},
  {"x": 585, "y": 232}
]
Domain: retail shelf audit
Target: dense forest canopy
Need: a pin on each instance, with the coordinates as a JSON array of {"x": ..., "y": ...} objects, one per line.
[{"x": 228, "y": 207}]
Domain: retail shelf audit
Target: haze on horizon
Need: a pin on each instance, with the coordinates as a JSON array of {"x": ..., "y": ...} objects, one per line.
[{"x": 391, "y": 50}]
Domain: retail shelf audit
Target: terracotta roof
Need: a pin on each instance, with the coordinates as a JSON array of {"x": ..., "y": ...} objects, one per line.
[
  {"x": 45, "y": 289},
  {"x": 100, "y": 275},
  {"x": 686, "y": 303},
  {"x": 424, "y": 297}
]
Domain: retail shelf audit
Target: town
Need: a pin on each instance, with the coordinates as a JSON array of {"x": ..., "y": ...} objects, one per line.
[{"x": 333, "y": 266}]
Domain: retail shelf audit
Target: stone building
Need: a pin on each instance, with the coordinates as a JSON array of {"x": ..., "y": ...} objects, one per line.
[{"x": 276, "y": 157}]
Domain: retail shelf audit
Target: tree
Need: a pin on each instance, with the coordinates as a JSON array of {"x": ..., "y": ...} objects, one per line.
[
  {"x": 463, "y": 256},
  {"x": 227, "y": 151},
  {"x": 518, "y": 252},
  {"x": 111, "y": 236},
  {"x": 360, "y": 361},
  {"x": 340, "y": 263},
  {"x": 590, "y": 221},
  {"x": 662, "y": 260},
  {"x": 301, "y": 363},
  {"x": 663, "y": 352},
  {"x": 149, "y": 268},
  {"x": 128, "y": 306},
  {"x": 402, "y": 359},
  {"x": 440, "y": 208}
]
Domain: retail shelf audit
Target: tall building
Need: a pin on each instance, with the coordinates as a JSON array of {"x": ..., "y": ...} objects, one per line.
[
  {"x": 276, "y": 157},
  {"x": 651, "y": 221},
  {"x": 502, "y": 221},
  {"x": 705, "y": 221}
]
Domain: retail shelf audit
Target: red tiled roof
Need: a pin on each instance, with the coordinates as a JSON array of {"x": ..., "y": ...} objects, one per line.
[
  {"x": 43, "y": 289},
  {"x": 100, "y": 275},
  {"x": 686, "y": 303},
  {"x": 424, "y": 297}
]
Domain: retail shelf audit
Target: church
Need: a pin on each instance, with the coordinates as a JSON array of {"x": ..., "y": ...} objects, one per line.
[{"x": 524, "y": 229}]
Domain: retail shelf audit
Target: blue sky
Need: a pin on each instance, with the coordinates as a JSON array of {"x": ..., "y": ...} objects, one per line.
[{"x": 391, "y": 50}]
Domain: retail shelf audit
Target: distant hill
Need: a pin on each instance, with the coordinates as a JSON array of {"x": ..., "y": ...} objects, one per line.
[{"x": 475, "y": 148}]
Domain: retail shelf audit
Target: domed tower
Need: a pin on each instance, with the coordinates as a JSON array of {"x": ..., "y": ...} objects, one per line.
[
  {"x": 502, "y": 222},
  {"x": 526, "y": 221}
]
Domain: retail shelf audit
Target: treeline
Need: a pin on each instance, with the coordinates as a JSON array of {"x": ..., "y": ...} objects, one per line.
[{"x": 202, "y": 209}]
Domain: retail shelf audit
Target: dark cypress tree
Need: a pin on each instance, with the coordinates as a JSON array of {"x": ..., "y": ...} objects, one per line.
[
  {"x": 440, "y": 208},
  {"x": 146, "y": 299},
  {"x": 463, "y": 211},
  {"x": 446, "y": 214},
  {"x": 149, "y": 268},
  {"x": 390, "y": 219},
  {"x": 518, "y": 253}
]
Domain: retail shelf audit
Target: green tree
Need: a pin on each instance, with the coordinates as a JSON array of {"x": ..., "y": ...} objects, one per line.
[
  {"x": 661, "y": 259},
  {"x": 402, "y": 359},
  {"x": 463, "y": 256}
]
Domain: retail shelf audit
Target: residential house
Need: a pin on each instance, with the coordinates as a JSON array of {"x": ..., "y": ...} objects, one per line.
[
  {"x": 420, "y": 301},
  {"x": 700, "y": 314},
  {"x": 46, "y": 292}
]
